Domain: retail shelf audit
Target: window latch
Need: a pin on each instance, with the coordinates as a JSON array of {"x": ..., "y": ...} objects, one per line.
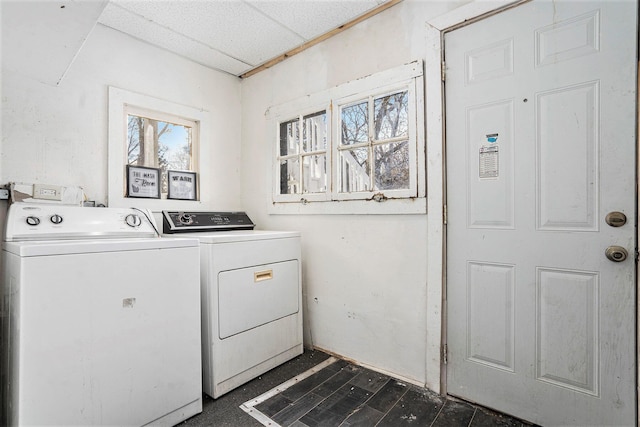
[{"x": 379, "y": 197}]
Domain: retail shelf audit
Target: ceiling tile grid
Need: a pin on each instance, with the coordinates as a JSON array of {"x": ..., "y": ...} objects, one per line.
[{"x": 231, "y": 35}]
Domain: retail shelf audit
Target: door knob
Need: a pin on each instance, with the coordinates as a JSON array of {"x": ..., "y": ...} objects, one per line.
[{"x": 616, "y": 253}]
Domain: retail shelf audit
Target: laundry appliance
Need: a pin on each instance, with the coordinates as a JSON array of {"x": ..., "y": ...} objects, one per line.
[
  {"x": 100, "y": 319},
  {"x": 251, "y": 295}
]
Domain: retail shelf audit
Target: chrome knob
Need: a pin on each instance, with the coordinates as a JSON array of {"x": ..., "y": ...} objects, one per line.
[
  {"x": 56, "y": 219},
  {"x": 33, "y": 220},
  {"x": 616, "y": 253},
  {"x": 133, "y": 220},
  {"x": 186, "y": 219}
]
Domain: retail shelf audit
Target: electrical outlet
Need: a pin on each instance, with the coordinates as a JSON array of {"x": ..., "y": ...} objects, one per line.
[{"x": 47, "y": 192}]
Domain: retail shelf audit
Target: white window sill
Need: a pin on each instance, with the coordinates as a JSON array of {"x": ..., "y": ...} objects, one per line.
[{"x": 407, "y": 206}]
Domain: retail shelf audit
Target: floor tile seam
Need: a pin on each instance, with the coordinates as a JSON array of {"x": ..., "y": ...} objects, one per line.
[
  {"x": 341, "y": 385},
  {"x": 338, "y": 389},
  {"x": 297, "y": 419},
  {"x": 356, "y": 407},
  {"x": 365, "y": 403},
  {"x": 439, "y": 412},
  {"x": 323, "y": 399},
  {"x": 475, "y": 411},
  {"x": 310, "y": 409},
  {"x": 293, "y": 402},
  {"x": 342, "y": 424},
  {"x": 392, "y": 406},
  {"x": 281, "y": 388},
  {"x": 319, "y": 385}
]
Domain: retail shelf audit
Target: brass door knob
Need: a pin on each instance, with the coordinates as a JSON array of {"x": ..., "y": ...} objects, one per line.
[{"x": 616, "y": 253}]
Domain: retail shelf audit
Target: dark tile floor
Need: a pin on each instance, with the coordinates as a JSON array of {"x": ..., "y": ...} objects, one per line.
[{"x": 345, "y": 395}]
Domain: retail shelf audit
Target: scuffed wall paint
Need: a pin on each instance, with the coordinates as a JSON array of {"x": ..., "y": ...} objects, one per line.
[{"x": 364, "y": 276}]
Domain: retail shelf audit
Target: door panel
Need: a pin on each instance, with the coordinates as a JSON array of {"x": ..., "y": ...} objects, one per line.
[{"x": 541, "y": 146}]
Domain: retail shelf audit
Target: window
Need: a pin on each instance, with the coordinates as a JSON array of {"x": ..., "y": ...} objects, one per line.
[
  {"x": 374, "y": 144},
  {"x": 366, "y": 145},
  {"x": 150, "y": 132},
  {"x": 161, "y": 141},
  {"x": 303, "y": 156}
]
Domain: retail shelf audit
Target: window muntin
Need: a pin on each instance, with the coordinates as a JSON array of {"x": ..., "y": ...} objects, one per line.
[
  {"x": 303, "y": 154},
  {"x": 160, "y": 140}
]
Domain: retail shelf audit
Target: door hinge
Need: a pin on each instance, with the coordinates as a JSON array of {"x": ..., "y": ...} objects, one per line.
[
  {"x": 445, "y": 215},
  {"x": 443, "y": 70},
  {"x": 445, "y": 354}
]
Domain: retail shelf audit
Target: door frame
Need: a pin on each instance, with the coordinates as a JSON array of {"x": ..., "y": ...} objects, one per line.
[{"x": 436, "y": 367}]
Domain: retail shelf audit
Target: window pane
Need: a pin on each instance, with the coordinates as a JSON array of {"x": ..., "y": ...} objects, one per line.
[
  {"x": 314, "y": 132},
  {"x": 174, "y": 149},
  {"x": 354, "y": 124},
  {"x": 290, "y": 176},
  {"x": 315, "y": 174},
  {"x": 289, "y": 137},
  {"x": 158, "y": 144},
  {"x": 392, "y": 166},
  {"x": 135, "y": 140},
  {"x": 354, "y": 170},
  {"x": 391, "y": 116}
]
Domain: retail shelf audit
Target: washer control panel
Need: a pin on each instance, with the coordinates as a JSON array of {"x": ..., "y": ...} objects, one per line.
[
  {"x": 26, "y": 221},
  {"x": 183, "y": 222}
]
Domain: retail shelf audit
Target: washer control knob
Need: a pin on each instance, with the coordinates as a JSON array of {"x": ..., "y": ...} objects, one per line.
[
  {"x": 133, "y": 220},
  {"x": 33, "y": 220},
  {"x": 56, "y": 219}
]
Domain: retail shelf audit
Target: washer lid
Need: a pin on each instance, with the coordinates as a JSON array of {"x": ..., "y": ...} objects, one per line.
[{"x": 72, "y": 247}]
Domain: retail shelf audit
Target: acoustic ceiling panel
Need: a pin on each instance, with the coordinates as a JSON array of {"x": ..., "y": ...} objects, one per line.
[
  {"x": 312, "y": 18},
  {"x": 38, "y": 33}
]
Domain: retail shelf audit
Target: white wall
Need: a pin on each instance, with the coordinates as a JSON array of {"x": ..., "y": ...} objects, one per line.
[
  {"x": 365, "y": 276},
  {"x": 58, "y": 134}
]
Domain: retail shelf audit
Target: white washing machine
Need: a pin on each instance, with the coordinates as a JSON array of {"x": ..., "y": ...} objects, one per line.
[
  {"x": 100, "y": 319},
  {"x": 251, "y": 295}
]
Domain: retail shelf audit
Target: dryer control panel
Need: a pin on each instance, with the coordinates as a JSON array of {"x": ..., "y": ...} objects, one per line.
[{"x": 183, "y": 222}]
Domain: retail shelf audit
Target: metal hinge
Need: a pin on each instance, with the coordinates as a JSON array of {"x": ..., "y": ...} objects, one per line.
[
  {"x": 445, "y": 354},
  {"x": 443, "y": 70},
  {"x": 445, "y": 214}
]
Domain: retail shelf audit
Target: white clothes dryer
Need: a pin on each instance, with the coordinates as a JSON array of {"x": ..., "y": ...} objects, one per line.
[
  {"x": 100, "y": 319},
  {"x": 251, "y": 295}
]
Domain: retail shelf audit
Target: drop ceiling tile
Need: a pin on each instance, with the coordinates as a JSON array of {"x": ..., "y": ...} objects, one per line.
[
  {"x": 40, "y": 39},
  {"x": 311, "y": 18},
  {"x": 156, "y": 34},
  {"x": 232, "y": 26}
]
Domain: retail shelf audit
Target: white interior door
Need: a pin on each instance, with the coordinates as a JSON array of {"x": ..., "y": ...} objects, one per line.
[{"x": 541, "y": 146}]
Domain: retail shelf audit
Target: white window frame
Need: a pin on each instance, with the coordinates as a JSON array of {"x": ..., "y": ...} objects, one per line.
[
  {"x": 402, "y": 201},
  {"x": 287, "y": 115},
  {"x": 412, "y": 191},
  {"x": 123, "y": 102}
]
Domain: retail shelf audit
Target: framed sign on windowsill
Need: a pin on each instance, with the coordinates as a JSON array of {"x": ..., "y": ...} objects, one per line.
[
  {"x": 143, "y": 182},
  {"x": 182, "y": 185}
]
